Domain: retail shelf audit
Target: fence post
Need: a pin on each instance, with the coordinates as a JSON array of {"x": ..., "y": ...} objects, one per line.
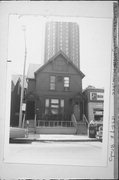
[
  {"x": 23, "y": 121},
  {"x": 35, "y": 123}
]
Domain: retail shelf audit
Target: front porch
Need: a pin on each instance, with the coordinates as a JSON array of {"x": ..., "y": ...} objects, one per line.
[
  {"x": 51, "y": 115},
  {"x": 56, "y": 127}
]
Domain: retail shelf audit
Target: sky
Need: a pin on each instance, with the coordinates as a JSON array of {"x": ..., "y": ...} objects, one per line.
[{"x": 95, "y": 44}]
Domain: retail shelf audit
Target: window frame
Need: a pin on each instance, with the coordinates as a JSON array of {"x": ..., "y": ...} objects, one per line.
[
  {"x": 52, "y": 83},
  {"x": 66, "y": 88}
]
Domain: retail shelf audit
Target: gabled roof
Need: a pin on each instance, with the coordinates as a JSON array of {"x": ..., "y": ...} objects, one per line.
[
  {"x": 31, "y": 70},
  {"x": 53, "y": 58},
  {"x": 16, "y": 78}
]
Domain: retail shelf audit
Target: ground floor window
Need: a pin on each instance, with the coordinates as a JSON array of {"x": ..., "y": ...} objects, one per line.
[{"x": 54, "y": 108}]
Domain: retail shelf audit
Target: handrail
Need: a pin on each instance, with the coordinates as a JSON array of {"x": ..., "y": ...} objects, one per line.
[
  {"x": 35, "y": 121},
  {"x": 74, "y": 121},
  {"x": 85, "y": 119}
]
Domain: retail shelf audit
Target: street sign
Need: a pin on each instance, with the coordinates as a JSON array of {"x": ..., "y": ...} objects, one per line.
[
  {"x": 96, "y": 96},
  {"x": 24, "y": 107}
]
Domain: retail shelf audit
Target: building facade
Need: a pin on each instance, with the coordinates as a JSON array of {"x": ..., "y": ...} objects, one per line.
[
  {"x": 94, "y": 103},
  {"x": 16, "y": 85},
  {"x": 54, "y": 91},
  {"x": 62, "y": 36}
]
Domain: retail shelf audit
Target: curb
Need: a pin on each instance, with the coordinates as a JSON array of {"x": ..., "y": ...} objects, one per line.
[{"x": 25, "y": 140}]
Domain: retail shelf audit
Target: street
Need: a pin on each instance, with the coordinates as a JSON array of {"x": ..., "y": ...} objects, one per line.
[{"x": 57, "y": 152}]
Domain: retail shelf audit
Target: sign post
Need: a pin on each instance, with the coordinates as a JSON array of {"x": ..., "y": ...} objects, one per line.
[{"x": 22, "y": 86}]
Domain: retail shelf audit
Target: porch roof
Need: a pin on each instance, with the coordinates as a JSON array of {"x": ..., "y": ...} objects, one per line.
[{"x": 79, "y": 96}]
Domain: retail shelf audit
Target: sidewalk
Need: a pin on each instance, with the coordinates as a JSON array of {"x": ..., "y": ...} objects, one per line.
[
  {"x": 60, "y": 137},
  {"x": 54, "y": 138}
]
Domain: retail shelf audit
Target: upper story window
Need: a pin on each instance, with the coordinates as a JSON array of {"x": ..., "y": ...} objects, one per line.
[
  {"x": 52, "y": 82},
  {"x": 66, "y": 83}
]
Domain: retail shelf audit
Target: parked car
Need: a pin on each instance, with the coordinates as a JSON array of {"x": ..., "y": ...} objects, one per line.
[
  {"x": 16, "y": 132},
  {"x": 95, "y": 129},
  {"x": 92, "y": 130},
  {"x": 99, "y": 133}
]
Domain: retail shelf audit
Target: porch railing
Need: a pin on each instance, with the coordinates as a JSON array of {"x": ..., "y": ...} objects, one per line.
[{"x": 54, "y": 123}]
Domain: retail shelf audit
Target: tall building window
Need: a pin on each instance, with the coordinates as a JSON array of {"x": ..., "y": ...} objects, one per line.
[
  {"x": 52, "y": 82},
  {"x": 61, "y": 35},
  {"x": 66, "y": 83},
  {"x": 67, "y": 50}
]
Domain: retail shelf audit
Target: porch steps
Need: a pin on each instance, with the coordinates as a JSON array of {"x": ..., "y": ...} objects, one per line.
[{"x": 81, "y": 127}]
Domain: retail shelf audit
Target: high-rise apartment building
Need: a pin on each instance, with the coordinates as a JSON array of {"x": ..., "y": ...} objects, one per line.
[{"x": 62, "y": 36}]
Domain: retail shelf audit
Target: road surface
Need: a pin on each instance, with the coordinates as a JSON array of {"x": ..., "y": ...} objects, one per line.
[{"x": 61, "y": 153}]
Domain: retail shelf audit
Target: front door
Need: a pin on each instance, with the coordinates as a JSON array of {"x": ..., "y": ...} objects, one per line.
[{"x": 76, "y": 110}]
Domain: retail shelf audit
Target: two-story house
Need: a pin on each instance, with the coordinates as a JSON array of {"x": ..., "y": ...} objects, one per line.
[{"x": 54, "y": 90}]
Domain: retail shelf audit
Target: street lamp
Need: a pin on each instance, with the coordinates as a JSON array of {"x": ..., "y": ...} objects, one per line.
[{"x": 23, "y": 80}]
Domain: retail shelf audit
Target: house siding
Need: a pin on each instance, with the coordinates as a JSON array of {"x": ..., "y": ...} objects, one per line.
[{"x": 43, "y": 83}]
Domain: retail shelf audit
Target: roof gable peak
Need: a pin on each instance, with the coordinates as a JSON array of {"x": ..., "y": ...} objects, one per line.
[
  {"x": 60, "y": 52},
  {"x": 66, "y": 58}
]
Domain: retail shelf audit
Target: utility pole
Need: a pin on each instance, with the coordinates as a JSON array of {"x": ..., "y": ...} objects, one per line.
[{"x": 23, "y": 80}]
